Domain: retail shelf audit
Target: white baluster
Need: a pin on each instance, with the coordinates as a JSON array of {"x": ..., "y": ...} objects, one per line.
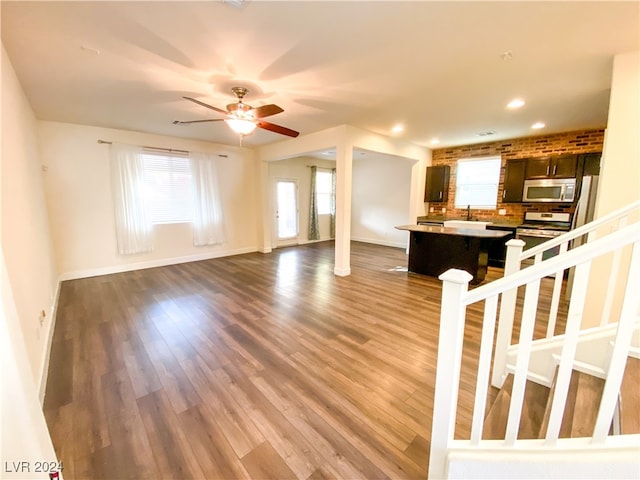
[
  {"x": 484, "y": 365},
  {"x": 507, "y": 312},
  {"x": 555, "y": 296},
  {"x": 522, "y": 361},
  {"x": 452, "y": 315},
  {"x": 574, "y": 318}
]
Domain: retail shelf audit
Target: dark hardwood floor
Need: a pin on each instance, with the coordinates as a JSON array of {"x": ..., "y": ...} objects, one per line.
[{"x": 252, "y": 366}]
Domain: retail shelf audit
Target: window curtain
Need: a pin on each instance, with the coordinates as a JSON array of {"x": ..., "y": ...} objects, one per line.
[
  {"x": 314, "y": 229},
  {"x": 133, "y": 227},
  {"x": 208, "y": 227},
  {"x": 332, "y": 206}
]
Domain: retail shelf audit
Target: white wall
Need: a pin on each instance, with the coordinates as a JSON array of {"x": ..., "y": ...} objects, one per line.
[
  {"x": 297, "y": 169},
  {"x": 27, "y": 284},
  {"x": 620, "y": 168},
  {"x": 380, "y": 199},
  {"x": 81, "y": 210},
  {"x": 619, "y": 183},
  {"x": 26, "y": 238}
]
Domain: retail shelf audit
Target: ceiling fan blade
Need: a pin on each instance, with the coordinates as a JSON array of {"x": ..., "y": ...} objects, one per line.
[
  {"x": 278, "y": 129},
  {"x": 178, "y": 122},
  {"x": 205, "y": 105},
  {"x": 266, "y": 110}
]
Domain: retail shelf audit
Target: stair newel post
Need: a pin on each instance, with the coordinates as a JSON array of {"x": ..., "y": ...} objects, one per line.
[
  {"x": 507, "y": 312},
  {"x": 452, "y": 318}
]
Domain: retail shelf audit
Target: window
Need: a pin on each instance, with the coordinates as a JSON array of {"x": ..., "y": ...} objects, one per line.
[
  {"x": 323, "y": 192},
  {"x": 477, "y": 182},
  {"x": 168, "y": 190}
]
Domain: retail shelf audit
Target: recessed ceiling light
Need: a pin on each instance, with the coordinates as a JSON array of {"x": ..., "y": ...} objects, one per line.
[
  {"x": 397, "y": 128},
  {"x": 515, "y": 103},
  {"x": 435, "y": 141},
  {"x": 538, "y": 125}
]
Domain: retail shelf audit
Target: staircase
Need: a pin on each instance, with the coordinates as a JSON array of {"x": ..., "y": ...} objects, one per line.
[
  {"x": 568, "y": 404},
  {"x": 583, "y": 400}
]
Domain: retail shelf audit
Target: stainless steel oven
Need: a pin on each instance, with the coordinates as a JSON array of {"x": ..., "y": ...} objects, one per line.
[
  {"x": 533, "y": 237},
  {"x": 539, "y": 227}
]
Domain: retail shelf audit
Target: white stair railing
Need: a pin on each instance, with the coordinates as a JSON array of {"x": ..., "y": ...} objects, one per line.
[
  {"x": 456, "y": 298},
  {"x": 578, "y": 236}
]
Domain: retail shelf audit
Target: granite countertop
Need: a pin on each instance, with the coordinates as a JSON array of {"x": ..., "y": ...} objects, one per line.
[
  {"x": 495, "y": 222},
  {"x": 463, "y": 232}
]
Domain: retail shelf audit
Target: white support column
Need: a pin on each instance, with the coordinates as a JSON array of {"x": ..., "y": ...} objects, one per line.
[
  {"x": 344, "y": 177},
  {"x": 452, "y": 316},
  {"x": 507, "y": 312}
]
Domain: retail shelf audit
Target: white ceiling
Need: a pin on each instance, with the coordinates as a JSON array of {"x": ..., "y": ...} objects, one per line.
[{"x": 435, "y": 67}]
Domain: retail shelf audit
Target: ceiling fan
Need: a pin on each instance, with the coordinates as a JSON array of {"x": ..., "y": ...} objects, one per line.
[{"x": 242, "y": 118}]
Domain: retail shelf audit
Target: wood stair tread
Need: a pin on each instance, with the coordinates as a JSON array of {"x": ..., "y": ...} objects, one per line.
[
  {"x": 535, "y": 400},
  {"x": 630, "y": 398},
  {"x": 581, "y": 407}
]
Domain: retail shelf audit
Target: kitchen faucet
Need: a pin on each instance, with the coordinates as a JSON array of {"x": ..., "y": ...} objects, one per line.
[{"x": 468, "y": 212}]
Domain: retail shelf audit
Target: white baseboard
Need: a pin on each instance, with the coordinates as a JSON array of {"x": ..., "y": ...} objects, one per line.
[
  {"x": 322, "y": 239},
  {"x": 161, "y": 262},
  {"x": 44, "y": 367},
  {"x": 378, "y": 241}
]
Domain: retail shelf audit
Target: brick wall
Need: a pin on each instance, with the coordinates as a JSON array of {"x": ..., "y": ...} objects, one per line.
[{"x": 583, "y": 141}]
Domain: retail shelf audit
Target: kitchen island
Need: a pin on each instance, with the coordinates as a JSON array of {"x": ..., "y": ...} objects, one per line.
[{"x": 434, "y": 249}]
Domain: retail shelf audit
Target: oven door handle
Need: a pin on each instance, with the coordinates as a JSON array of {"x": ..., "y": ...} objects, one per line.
[{"x": 535, "y": 235}]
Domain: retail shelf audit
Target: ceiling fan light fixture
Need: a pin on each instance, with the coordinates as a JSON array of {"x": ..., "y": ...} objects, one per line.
[{"x": 240, "y": 126}]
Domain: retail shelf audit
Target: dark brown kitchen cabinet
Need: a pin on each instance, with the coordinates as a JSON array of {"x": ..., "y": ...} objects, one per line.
[
  {"x": 551, "y": 167},
  {"x": 513, "y": 180},
  {"x": 437, "y": 185},
  {"x": 590, "y": 163},
  {"x": 497, "y": 248}
]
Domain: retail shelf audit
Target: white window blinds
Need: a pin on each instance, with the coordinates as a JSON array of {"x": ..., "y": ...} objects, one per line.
[{"x": 168, "y": 187}]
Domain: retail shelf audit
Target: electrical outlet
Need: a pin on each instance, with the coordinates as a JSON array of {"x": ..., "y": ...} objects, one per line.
[
  {"x": 502, "y": 211},
  {"x": 431, "y": 210},
  {"x": 444, "y": 210}
]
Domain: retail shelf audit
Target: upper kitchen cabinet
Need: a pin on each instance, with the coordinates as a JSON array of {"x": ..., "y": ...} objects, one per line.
[
  {"x": 590, "y": 163},
  {"x": 514, "y": 172},
  {"x": 551, "y": 167},
  {"x": 437, "y": 186}
]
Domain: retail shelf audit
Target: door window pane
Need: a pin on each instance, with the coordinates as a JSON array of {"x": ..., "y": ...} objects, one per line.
[{"x": 287, "y": 210}]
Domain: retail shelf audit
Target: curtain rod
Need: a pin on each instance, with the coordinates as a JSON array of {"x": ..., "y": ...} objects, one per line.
[
  {"x": 185, "y": 152},
  {"x": 323, "y": 168}
]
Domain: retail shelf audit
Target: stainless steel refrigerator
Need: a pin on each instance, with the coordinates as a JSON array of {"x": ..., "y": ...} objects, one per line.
[
  {"x": 586, "y": 204},
  {"x": 584, "y": 212}
]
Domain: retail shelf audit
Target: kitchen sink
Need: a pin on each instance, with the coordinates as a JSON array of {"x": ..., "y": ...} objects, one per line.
[{"x": 466, "y": 224}]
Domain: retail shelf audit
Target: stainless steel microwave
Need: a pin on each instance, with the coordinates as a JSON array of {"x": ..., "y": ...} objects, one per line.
[{"x": 549, "y": 190}]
